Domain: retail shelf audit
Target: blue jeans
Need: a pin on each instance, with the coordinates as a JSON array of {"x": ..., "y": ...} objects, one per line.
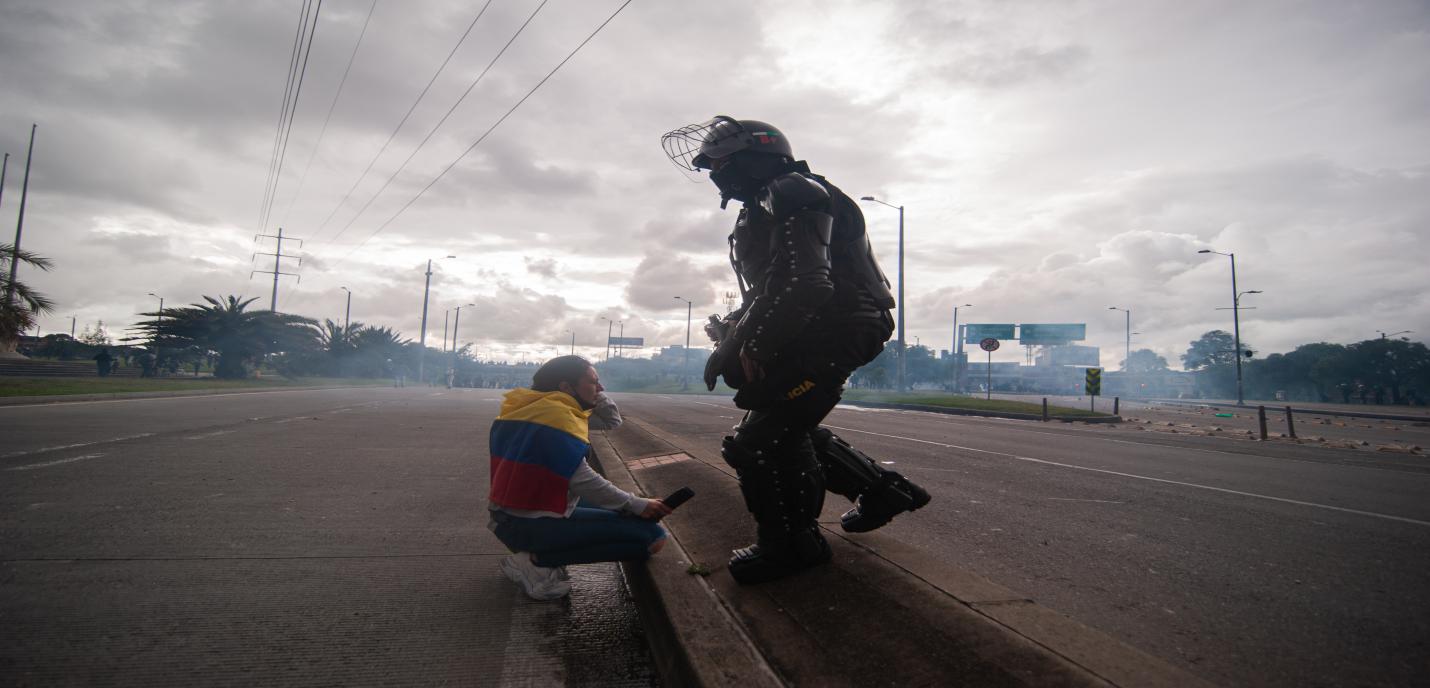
[{"x": 587, "y": 536}]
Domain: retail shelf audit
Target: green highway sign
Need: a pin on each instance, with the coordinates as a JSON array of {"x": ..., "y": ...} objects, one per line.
[
  {"x": 1051, "y": 334},
  {"x": 975, "y": 333}
]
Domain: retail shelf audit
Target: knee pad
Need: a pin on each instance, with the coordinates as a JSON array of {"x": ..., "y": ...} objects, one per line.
[{"x": 847, "y": 471}]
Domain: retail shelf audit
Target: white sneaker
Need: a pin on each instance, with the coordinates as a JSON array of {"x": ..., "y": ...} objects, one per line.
[{"x": 538, "y": 582}]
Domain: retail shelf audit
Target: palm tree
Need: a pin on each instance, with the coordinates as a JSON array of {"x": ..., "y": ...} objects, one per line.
[
  {"x": 237, "y": 335},
  {"x": 17, "y": 313}
]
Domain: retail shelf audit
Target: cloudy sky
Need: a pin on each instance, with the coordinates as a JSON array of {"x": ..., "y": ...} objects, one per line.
[{"x": 1054, "y": 158}]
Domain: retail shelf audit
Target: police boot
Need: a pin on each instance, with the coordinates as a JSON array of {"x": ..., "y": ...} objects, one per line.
[
  {"x": 784, "y": 491},
  {"x": 878, "y": 494},
  {"x": 893, "y": 495}
]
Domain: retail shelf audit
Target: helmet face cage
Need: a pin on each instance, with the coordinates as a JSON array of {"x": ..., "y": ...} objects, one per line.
[{"x": 691, "y": 147}]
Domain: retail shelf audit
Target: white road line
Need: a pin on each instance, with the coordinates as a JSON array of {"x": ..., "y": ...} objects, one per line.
[
  {"x": 1030, "y": 459},
  {"x": 53, "y": 463},
  {"x": 185, "y": 397},
  {"x": 72, "y": 446},
  {"x": 207, "y": 435}
]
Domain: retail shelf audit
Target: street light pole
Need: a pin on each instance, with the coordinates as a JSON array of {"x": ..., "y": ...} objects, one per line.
[
  {"x": 900, "y": 304},
  {"x": 455, "y": 322},
  {"x": 621, "y": 342},
  {"x": 1127, "y": 357},
  {"x": 957, "y": 349},
  {"x": 1235, "y": 321},
  {"x": 685, "y": 365},
  {"x": 447, "y": 320},
  {"x": 573, "y": 341},
  {"x": 158, "y": 322},
  {"x": 422, "y": 339},
  {"x": 609, "y": 324}
]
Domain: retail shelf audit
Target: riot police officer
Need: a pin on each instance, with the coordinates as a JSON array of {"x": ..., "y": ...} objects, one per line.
[{"x": 815, "y": 307}]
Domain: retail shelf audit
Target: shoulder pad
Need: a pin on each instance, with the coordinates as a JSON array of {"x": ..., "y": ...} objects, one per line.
[{"x": 790, "y": 193}]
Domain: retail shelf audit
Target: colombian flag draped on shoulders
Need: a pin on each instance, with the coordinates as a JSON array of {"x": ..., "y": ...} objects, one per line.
[{"x": 538, "y": 441}]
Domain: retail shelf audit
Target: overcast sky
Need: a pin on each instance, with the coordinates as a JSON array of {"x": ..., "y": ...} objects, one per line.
[{"x": 1054, "y": 159}]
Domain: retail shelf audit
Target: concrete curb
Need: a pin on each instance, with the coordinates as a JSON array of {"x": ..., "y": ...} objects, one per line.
[
  {"x": 1305, "y": 411},
  {"x": 928, "y": 619},
  {"x": 947, "y": 410},
  {"x": 707, "y": 647}
]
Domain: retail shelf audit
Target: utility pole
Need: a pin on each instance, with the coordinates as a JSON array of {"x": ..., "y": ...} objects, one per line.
[
  {"x": 20, "y": 223},
  {"x": 277, "y": 264},
  {"x": 685, "y": 364},
  {"x": 422, "y": 340},
  {"x": 347, "y": 312},
  {"x": 3, "y": 167}
]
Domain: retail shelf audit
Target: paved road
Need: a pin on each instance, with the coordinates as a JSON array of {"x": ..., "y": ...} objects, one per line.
[
  {"x": 1248, "y": 564},
  {"x": 329, "y": 537}
]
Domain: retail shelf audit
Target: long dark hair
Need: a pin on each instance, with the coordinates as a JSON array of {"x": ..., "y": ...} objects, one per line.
[{"x": 551, "y": 374}]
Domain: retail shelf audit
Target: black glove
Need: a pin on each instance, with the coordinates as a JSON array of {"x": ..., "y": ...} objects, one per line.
[{"x": 726, "y": 355}]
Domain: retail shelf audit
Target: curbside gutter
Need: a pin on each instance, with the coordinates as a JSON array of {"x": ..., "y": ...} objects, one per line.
[
  {"x": 948, "y": 410},
  {"x": 881, "y": 613},
  {"x": 694, "y": 638}
]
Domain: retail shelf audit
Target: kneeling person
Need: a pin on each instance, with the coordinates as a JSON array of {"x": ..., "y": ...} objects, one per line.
[{"x": 547, "y": 505}]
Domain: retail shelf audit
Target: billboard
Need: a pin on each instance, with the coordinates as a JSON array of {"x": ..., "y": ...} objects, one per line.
[
  {"x": 1051, "y": 334},
  {"x": 626, "y": 341},
  {"x": 975, "y": 333}
]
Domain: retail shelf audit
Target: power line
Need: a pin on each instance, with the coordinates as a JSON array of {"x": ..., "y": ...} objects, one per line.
[
  {"x": 442, "y": 121},
  {"x": 292, "y": 111},
  {"x": 332, "y": 106},
  {"x": 492, "y": 128},
  {"x": 398, "y": 128},
  {"x": 283, "y": 111}
]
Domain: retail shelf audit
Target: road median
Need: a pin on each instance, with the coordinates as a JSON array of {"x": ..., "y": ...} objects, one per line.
[{"x": 881, "y": 613}]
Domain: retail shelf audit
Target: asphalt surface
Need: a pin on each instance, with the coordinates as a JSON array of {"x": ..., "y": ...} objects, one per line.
[
  {"x": 332, "y": 537},
  {"x": 1245, "y": 563}
]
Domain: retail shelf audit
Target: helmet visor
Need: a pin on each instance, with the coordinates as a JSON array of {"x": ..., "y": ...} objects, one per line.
[{"x": 694, "y": 146}]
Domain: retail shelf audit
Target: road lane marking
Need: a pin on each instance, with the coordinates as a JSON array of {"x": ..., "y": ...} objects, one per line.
[
  {"x": 1094, "y": 501},
  {"x": 182, "y": 397},
  {"x": 1046, "y": 462},
  {"x": 73, "y": 446},
  {"x": 53, "y": 463},
  {"x": 207, "y": 435}
]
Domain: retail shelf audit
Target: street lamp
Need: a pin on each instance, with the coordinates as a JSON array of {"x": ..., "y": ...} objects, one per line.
[
  {"x": 422, "y": 340},
  {"x": 901, "y": 284},
  {"x": 685, "y": 365},
  {"x": 455, "y": 322},
  {"x": 1235, "y": 320},
  {"x": 348, "y": 311},
  {"x": 573, "y": 341},
  {"x": 609, "y": 324},
  {"x": 159, "y": 321},
  {"x": 1127, "y": 356},
  {"x": 958, "y": 350}
]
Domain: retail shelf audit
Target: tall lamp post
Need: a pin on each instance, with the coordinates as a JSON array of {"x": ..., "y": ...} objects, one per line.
[
  {"x": 573, "y": 341},
  {"x": 422, "y": 340},
  {"x": 685, "y": 365},
  {"x": 1127, "y": 357},
  {"x": 347, "y": 311},
  {"x": 158, "y": 322},
  {"x": 455, "y": 322},
  {"x": 901, "y": 284},
  {"x": 609, "y": 324},
  {"x": 1235, "y": 321},
  {"x": 957, "y": 350}
]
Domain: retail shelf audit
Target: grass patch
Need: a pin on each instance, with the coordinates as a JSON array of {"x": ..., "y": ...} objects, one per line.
[
  {"x": 965, "y": 402},
  {"x": 57, "y": 386}
]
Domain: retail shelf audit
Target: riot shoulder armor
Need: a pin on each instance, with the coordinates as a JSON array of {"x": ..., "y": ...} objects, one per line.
[{"x": 789, "y": 193}]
